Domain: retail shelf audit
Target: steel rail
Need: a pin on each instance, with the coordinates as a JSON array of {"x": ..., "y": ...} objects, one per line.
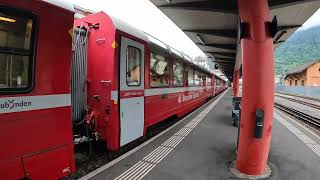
[
  {"x": 299, "y": 115},
  {"x": 300, "y": 101}
]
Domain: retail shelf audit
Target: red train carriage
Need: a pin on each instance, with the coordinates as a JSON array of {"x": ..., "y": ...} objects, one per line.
[
  {"x": 139, "y": 81},
  {"x": 220, "y": 85},
  {"x": 122, "y": 82},
  {"x": 35, "y": 108}
]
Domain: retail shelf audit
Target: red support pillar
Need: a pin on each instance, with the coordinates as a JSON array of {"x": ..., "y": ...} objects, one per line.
[
  {"x": 257, "y": 86},
  {"x": 236, "y": 83}
]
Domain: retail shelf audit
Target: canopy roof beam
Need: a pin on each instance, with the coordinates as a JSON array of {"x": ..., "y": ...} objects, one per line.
[
  {"x": 221, "y": 46},
  {"x": 222, "y": 6},
  {"x": 231, "y": 60},
  {"x": 227, "y": 54},
  {"x": 230, "y": 33}
]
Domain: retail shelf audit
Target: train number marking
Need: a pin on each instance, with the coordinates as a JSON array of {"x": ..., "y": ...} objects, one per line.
[{"x": 65, "y": 170}]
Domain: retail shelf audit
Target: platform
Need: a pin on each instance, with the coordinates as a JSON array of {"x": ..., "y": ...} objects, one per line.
[{"x": 203, "y": 144}]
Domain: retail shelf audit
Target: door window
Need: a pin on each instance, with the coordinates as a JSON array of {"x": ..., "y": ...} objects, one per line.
[{"x": 133, "y": 66}]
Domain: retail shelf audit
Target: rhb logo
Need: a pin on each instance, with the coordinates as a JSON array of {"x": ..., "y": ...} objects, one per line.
[{"x": 12, "y": 104}]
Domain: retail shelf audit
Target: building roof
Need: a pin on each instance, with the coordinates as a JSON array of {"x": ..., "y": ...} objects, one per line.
[{"x": 301, "y": 68}]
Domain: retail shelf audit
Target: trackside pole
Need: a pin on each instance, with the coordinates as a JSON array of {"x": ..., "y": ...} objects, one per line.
[
  {"x": 257, "y": 88},
  {"x": 236, "y": 83}
]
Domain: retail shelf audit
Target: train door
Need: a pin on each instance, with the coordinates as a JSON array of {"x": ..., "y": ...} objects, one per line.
[{"x": 131, "y": 90}]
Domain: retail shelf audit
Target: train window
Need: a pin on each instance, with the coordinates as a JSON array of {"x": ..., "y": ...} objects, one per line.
[
  {"x": 190, "y": 76},
  {"x": 17, "y": 39},
  {"x": 133, "y": 66},
  {"x": 208, "y": 81},
  {"x": 177, "y": 74},
  {"x": 218, "y": 82},
  {"x": 159, "y": 70},
  {"x": 203, "y": 79},
  {"x": 197, "y": 78}
]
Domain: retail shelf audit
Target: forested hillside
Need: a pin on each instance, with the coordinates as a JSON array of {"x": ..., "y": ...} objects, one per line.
[{"x": 303, "y": 46}]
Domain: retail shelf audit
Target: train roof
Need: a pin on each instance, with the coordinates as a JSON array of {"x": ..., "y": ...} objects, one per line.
[
  {"x": 65, "y": 4},
  {"x": 154, "y": 42},
  {"x": 184, "y": 58},
  {"x": 127, "y": 28}
]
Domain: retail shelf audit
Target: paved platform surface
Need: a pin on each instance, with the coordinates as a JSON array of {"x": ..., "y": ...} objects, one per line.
[{"x": 202, "y": 146}]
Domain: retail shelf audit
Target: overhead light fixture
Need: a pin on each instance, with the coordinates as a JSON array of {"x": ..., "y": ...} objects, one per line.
[
  {"x": 200, "y": 39},
  {"x": 7, "y": 19}
]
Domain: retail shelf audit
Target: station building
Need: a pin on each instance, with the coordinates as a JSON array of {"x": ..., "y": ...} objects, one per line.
[{"x": 307, "y": 74}]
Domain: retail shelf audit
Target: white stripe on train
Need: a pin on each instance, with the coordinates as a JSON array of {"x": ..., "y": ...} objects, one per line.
[
  {"x": 160, "y": 91},
  {"x": 29, "y": 103}
]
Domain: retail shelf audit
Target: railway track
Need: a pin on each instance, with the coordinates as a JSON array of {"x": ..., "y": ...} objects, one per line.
[
  {"x": 299, "y": 115},
  {"x": 299, "y": 101}
]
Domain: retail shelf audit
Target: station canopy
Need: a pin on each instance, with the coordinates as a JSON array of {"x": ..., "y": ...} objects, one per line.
[{"x": 213, "y": 24}]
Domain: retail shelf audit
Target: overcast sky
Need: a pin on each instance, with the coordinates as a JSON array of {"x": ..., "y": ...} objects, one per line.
[
  {"x": 145, "y": 16},
  {"x": 312, "y": 21}
]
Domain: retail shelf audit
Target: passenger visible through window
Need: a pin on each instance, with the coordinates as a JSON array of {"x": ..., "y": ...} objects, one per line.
[
  {"x": 133, "y": 66},
  {"x": 159, "y": 70},
  {"x": 177, "y": 74},
  {"x": 16, "y": 50}
]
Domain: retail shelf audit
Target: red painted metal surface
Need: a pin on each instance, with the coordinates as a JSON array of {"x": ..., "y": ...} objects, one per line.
[
  {"x": 103, "y": 75},
  {"x": 12, "y": 169},
  {"x": 258, "y": 86},
  {"x": 39, "y": 131},
  {"x": 160, "y": 107},
  {"x": 236, "y": 83},
  {"x": 49, "y": 162}
]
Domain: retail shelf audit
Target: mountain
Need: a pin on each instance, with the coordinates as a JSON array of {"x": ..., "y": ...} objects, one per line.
[{"x": 302, "y": 47}]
